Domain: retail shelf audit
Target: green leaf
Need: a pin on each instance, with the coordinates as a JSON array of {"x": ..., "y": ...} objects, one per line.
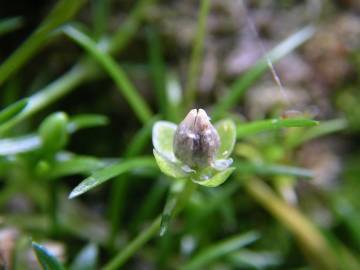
[
  {"x": 68, "y": 164},
  {"x": 197, "y": 53},
  {"x": 115, "y": 71},
  {"x": 19, "y": 145},
  {"x": 10, "y": 24},
  {"x": 86, "y": 121},
  {"x": 163, "y": 138},
  {"x": 256, "y": 259},
  {"x": 157, "y": 68},
  {"x": 46, "y": 259},
  {"x": 12, "y": 110},
  {"x": 62, "y": 11},
  {"x": 323, "y": 129},
  {"x": 86, "y": 259},
  {"x": 227, "y": 133},
  {"x": 203, "y": 258},
  {"x": 168, "y": 167},
  {"x": 211, "y": 177},
  {"x": 109, "y": 172},
  {"x": 31, "y": 142},
  {"x": 250, "y": 129},
  {"x": 244, "y": 167}
]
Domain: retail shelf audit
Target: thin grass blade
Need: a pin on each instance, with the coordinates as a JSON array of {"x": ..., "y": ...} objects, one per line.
[
  {"x": 46, "y": 259},
  {"x": 138, "y": 104},
  {"x": 241, "y": 85},
  {"x": 216, "y": 251},
  {"x": 250, "y": 129},
  {"x": 103, "y": 175}
]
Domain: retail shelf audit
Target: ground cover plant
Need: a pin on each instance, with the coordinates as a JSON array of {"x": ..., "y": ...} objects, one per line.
[{"x": 179, "y": 135}]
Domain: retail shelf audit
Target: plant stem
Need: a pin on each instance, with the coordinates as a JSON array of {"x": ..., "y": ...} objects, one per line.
[
  {"x": 148, "y": 233},
  {"x": 137, "y": 243}
]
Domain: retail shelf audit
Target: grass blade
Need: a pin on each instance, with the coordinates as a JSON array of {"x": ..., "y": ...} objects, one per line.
[
  {"x": 132, "y": 247},
  {"x": 241, "y": 85},
  {"x": 157, "y": 66},
  {"x": 48, "y": 95},
  {"x": 196, "y": 54},
  {"x": 31, "y": 142},
  {"x": 120, "y": 185},
  {"x": 12, "y": 110},
  {"x": 219, "y": 250},
  {"x": 272, "y": 169},
  {"x": 146, "y": 234},
  {"x": 86, "y": 121},
  {"x": 80, "y": 72},
  {"x": 62, "y": 12},
  {"x": 323, "y": 129},
  {"x": 111, "y": 171},
  {"x": 47, "y": 260},
  {"x": 249, "y": 129},
  {"x": 10, "y": 24},
  {"x": 129, "y": 28},
  {"x": 303, "y": 229},
  {"x": 19, "y": 145},
  {"x": 129, "y": 91},
  {"x": 66, "y": 164}
]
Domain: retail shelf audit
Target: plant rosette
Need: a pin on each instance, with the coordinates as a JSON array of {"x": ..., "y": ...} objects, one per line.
[{"x": 195, "y": 149}]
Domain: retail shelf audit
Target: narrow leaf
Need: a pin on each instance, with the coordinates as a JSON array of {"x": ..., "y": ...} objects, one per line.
[
  {"x": 250, "y": 129},
  {"x": 197, "y": 53},
  {"x": 86, "y": 121},
  {"x": 244, "y": 167},
  {"x": 19, "y": 145},
  {"x": 46, "y": 259},
  {"x": 31, "y": 142},
  {"x": 156, "y": 61},
  {"x": 214, "y": 252},
  {"x": 12, "y": 110},
  {"x": 109, "y": 172},
  {"x": 323, "y": 129},
  {"x": 241, "y": 85},
  {"x": 138, "y": 104},
  {"x": 63, "y": 11},
  {"x": 66, "y": 164},
  {"x": 10, "y": 24}
]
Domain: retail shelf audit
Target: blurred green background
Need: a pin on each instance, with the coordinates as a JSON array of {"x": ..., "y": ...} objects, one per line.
[{"x": 83, "y": 81}]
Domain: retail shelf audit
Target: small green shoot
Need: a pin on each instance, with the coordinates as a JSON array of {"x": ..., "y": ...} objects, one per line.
[{"x": 46, "y": 259}]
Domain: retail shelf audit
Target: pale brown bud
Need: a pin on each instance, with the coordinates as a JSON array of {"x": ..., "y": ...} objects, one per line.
[{"x": 196, "y": 141}]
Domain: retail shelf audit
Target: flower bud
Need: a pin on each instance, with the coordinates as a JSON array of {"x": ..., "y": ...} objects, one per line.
[{"x": 196, "y": 141}]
